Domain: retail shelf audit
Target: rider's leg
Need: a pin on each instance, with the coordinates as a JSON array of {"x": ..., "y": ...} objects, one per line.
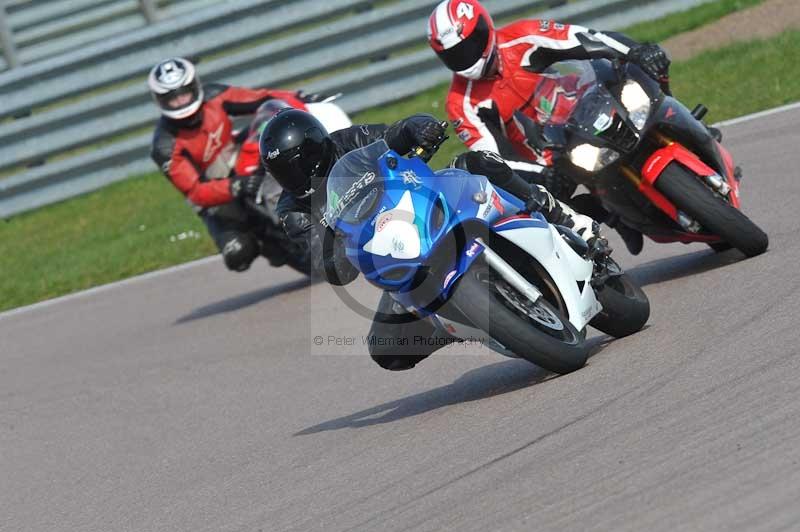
[
  {"x": 589, "y": 205},
  {"x": 401, "y": 345},
  {"x": 238, "y": 247},
  {"x": 536, "y": 197}
]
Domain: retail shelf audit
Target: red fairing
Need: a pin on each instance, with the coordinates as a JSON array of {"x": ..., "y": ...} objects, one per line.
[
  {"x": 657, "y": 162},
  {"x": 655, "y": 165},
  {"x": 729, "y": 170},
  {"x": 249, "y": 160}
]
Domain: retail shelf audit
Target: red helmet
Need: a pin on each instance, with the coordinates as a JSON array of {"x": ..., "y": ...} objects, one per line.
[{"x": 462, "y": 34}]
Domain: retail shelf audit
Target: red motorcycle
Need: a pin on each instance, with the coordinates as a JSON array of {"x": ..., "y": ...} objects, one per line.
[{"x": 647, "y": 159}]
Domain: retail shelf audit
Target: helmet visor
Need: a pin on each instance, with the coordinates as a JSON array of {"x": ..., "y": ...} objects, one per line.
[
  {"x": 181, "y": 98},
  {"x": 469, "y": 51}
]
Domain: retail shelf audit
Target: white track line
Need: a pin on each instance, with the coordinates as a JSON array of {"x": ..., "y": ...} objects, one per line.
[
  {"x": 110, "y": 286},
  {"x": 761, "y": 114},
  {"x": 208, "y": 260}
]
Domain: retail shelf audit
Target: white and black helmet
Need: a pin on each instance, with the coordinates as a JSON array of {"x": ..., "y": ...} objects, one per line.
[{"x": 176, "y": 88}]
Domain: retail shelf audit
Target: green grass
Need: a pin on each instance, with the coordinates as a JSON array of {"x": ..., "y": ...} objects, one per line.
[
  {"x": 742, "y": 78},
  {"x": 126, "y": 229},
  {"x": 121, "y": 231},
  {"x": 691, "y": 19}
]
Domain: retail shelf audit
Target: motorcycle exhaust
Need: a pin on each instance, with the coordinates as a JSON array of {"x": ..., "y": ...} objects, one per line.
[{"x": 508, "y": 273}]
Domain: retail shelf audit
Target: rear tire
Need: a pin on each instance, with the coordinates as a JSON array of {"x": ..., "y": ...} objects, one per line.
[
  {"x": 626, "y": 308},
  {"x": 715, "y": 215},
  {"x": 492, "y": 305}
]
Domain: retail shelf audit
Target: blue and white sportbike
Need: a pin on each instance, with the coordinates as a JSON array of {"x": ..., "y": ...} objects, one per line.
[{"x": 455, "y": 250}]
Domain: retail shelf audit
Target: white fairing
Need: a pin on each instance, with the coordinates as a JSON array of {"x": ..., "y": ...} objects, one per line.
[
  {"x": 395, "y": 232},
  {"x": 565, "y": 267},
  {"x": 331, "y": 115}
]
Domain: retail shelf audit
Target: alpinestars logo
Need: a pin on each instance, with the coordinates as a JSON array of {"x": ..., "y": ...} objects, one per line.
[
  {"x": 213, "y": 144},
  {"x": 411, "y": 178}
]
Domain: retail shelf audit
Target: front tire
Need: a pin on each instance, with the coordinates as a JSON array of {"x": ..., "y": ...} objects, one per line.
[
  {"x": 715, "y": 215},
  {"x": 626, "y": 308},
  {"x": 535, "y": 331}
]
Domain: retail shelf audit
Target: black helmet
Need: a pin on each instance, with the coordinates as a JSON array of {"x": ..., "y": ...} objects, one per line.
[
  {"x": 176, "y": 88},
  {"x": 297, "y": 150}
]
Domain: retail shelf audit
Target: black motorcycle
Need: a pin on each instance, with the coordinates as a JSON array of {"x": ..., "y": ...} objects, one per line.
[{"x": 648, "y": 160}]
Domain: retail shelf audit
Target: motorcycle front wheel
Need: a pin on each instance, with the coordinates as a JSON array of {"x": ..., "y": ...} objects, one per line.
[
  {"x": 533, "y": 330},
  {"x": 715, "y": 215}
]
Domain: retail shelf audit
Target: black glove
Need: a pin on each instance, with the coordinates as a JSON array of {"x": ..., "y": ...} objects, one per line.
[
  {"x": 652, "y": 59},
  {"x": 425, "y": 131},
  {"x": 246, "y": 186},
  {"x": 311, "y": 97},
  {"x": 485, "y": 163}
]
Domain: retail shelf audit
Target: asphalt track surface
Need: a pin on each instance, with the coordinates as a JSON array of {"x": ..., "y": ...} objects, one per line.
[{"x": 196, "y": 400}]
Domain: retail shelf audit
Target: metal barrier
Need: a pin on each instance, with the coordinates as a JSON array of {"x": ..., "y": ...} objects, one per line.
[{"x": 328, "y": 46}]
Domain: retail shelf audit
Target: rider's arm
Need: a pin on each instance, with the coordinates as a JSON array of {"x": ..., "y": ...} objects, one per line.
[
  {"x": 355, "y": 137},
  {"x": 551, "y": 41},
  {"x": 555, "y": 42},
  {"x": 179, "y": 168},
  {"x": 479, "y": 126},
  {"x": 325, "y": 252},
  {"x": 243, "y": 101},
  {"x": 401, "y": 136},
  {"x": 406, "y": 134}
]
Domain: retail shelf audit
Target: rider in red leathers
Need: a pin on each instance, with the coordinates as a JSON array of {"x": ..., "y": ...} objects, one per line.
[
  {"x": 496, "y": 71},
  {"x": 194, "y": 146}
]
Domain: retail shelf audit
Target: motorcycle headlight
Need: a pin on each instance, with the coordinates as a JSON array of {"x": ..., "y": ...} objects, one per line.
[
  {"x": 637, "y": 102},
  {"x": 592, "y": 158}
]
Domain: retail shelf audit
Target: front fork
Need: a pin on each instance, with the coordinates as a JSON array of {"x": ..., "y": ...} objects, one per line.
[{"x": 671, "y": 151}]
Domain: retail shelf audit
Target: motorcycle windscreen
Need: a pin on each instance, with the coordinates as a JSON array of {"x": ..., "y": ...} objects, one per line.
[
  {"x": 355, "y": 185},
  {"x": 562, "y": 86}
]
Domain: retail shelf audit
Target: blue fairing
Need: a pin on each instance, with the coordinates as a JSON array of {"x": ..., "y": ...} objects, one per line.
[{"x": 441, "y": 201}]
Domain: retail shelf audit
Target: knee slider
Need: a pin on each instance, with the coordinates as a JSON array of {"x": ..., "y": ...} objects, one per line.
[{"x": 240, "y": 251}]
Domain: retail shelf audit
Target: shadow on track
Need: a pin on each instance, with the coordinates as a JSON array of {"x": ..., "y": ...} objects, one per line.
[
  {"x": 480, "y": 383},
  {"x": 670, "y": 268},
  {"x": 243, "y": 301}
]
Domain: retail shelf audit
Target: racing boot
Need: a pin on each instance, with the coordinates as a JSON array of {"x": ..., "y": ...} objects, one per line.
[
  {"x": 274, "y": 254},
  {"x": 634, "y": 240}
]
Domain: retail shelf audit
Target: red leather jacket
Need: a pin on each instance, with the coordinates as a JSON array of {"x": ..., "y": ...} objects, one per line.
[
  {"x": 482, "y": 111},
  {"x": 198, "y": 157}
]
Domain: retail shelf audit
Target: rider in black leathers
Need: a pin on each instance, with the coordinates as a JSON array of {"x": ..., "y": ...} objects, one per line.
[{"x": 299, "y": 153}]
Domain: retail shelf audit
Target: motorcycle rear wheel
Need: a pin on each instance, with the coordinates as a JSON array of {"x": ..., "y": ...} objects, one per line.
[
  {"x": 535, "y": 331},
  {"x": 715, "y": 215}
]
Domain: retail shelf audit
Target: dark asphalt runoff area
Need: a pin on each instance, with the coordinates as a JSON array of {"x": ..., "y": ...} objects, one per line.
[{"x": 197, "y": 400}]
